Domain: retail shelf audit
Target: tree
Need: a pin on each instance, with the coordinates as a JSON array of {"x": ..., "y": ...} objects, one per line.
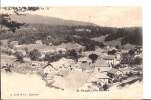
[
  {"x": 49, "y": 57},
  {"x": 19, "y": 56},
  {"x": 89, "y": 47},
  {"x": 131, "y": 52},
  {"x": 34, "y": 54},
  {"x": 105, "y": 87},
  {"x": 101, "y": 45},
  {"x": 126, "y": 58},
  {"x": 112, "y": 52},
  {"x": 93, "y": 57},
  {"x": 11, "y": 25},
  {"x": 137, "y": 61},
  {"x": 73, "y": 54},
  {"x": 18, "y": 10}
]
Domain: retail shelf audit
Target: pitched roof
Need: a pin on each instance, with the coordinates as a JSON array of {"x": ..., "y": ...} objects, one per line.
[
  {"x": 101, "y": 63},
  {"x": 109, "y": 57},
  {"x": 98, "y": 76},
  {"x": 113, "y": 71},
  {"x": 84, "y": 59},
  {"x": 101, "y": 75}
]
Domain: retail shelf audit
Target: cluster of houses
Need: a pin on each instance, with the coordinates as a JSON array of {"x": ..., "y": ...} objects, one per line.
[
  {"x": 105, "y": 72},
  {"x": 102, "y": 70}
]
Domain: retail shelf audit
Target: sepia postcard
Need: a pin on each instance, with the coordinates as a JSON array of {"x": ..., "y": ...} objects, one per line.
[{"x": 91, "y": 52}]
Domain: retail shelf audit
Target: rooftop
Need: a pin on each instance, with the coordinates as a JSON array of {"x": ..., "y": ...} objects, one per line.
[
  {"x": 101, "y": 63},
  {"x": 109, "y": 57}
]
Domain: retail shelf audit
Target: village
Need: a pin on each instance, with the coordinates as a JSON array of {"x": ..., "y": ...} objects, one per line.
[{"x": 70, "y": 66}]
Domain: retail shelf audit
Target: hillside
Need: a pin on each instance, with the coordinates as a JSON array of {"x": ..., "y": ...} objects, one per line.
[
  {"x": 37, "y": 19},
  {"x": 58, "y": 30}
]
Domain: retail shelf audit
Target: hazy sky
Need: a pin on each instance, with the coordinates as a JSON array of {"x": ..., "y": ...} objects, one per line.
[{"x": 118, "y": 16}]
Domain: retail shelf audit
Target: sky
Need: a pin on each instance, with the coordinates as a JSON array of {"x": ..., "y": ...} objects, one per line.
[{"x": 114, "y": 16}]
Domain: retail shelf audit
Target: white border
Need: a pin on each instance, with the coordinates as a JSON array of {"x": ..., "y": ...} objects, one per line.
[
  {"x": 147, "y": 48},
  {"x": 71, "y": 2},
  {"x": 146, "y": 23}
]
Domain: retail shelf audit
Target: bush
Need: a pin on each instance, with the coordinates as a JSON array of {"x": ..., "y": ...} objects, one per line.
[{"x": 34, "y": 54}]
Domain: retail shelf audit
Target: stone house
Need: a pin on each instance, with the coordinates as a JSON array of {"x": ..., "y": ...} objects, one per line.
[{"x": 115, "y": 73}]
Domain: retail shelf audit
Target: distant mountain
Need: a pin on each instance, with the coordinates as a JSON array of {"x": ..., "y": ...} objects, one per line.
[{"x": 37, "y": 19}]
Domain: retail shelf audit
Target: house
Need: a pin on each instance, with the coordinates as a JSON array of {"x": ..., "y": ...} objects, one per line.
[
  {"x": 37, "y": 64},
  {"x": 106, "y": 48},
  {"x": 38, "y": 42},
  {"x": 110, "y": 59},
  {"x": 85, "y": 64},
  {"x": 126, "y": 70},
  {"x": 61, "y": 50},
  {"x": 139, "y": 49},
  {"x": 101, "y": 78},
  {"x": 100, "y": 65},
  {"x": 104, "y": 79},
  {"x": 63, "y": 63},
  {"x": 78, "y": 69},
  {"x": 26, "y": 59},
  {"x": 113, "y": 73},
  {"x": 86, "y": 67},
  {"x": 118, "y": 56},
  {"x": 82, "y": 29},
  {"x": 85, "y": 60},
  {"x": 50, "y": 44},
  {"x": 138, "y": 55},
  {"x": 22, "y": 52}
]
